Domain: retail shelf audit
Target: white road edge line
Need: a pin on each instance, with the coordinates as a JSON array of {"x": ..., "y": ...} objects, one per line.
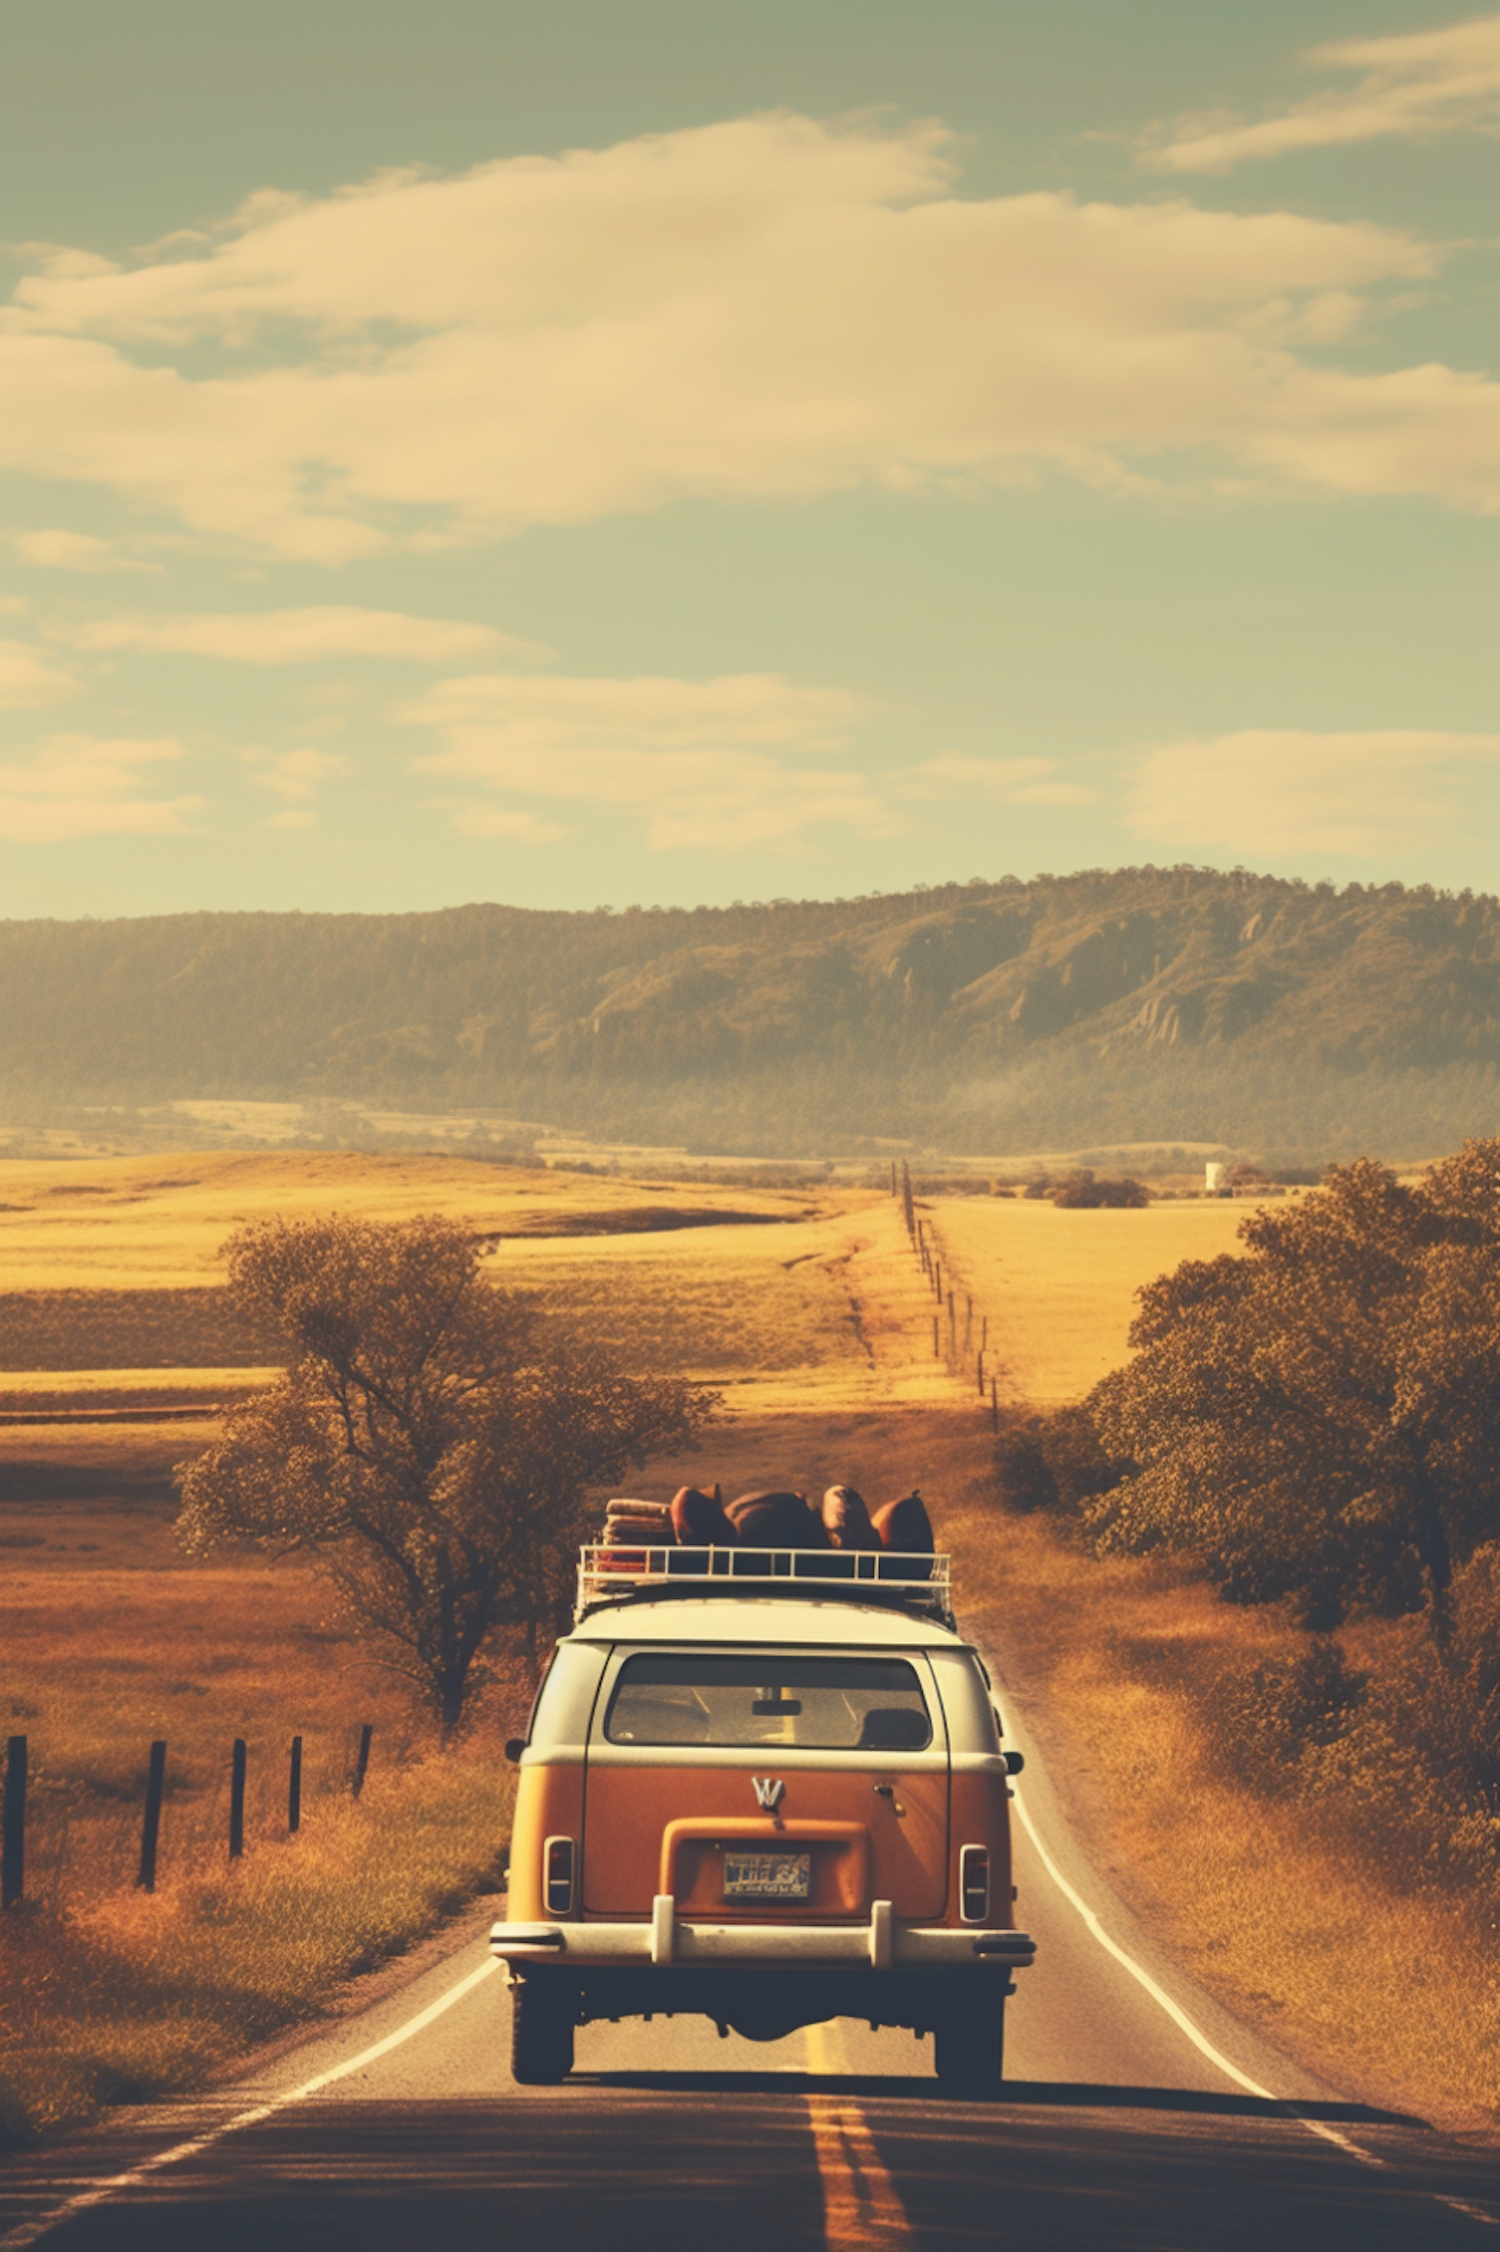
[
  {"x": 27, "y": 2232},
  {"x": 1200, "y": 2040},
  {"x": 1164, "y": 2001}
]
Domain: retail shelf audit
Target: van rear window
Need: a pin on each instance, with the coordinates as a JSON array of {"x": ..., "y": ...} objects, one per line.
[{"x": 808, "y": 1704}]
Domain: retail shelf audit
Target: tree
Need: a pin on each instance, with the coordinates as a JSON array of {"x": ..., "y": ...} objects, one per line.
[
  {"x": 433, "y": 1441},
  {"x": 1320, "y": 1416}
]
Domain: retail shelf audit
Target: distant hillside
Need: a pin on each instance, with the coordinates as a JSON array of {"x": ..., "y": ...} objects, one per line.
[{"x": 1145, "y": 1003}]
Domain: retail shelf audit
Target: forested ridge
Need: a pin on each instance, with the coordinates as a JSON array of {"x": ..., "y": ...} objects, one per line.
[{"x": 1132, "y": 1004}]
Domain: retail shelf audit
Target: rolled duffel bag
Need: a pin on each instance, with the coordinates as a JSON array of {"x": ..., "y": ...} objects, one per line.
[
  {"x": 774, "y": 1520},
  {"x": 905, "y": 1529},
  {"x": 699, "y": 1521},
  {"x": 846, "y": 1519}
]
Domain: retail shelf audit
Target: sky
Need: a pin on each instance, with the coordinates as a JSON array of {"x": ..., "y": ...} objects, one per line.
[{"x": 581, "y": 452}]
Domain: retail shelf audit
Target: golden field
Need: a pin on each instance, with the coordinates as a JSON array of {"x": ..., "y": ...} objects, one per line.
[
  {"x": 818, "y": 1331},
  {"x": 111, "y": 1639},
  {"x": 1059, "y": 1287},
  {"x": 131, "y": 1223}
]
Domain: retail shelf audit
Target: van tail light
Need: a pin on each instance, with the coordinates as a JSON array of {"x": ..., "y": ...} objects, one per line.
[
  {"x": 974, "y": 1883},
  {"x": 557, "y": 1865}
]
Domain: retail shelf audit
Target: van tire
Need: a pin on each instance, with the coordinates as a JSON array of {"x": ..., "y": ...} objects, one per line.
[
  {"x": 541, "y": 2033},
  {"x": 969, "y": 2046}
]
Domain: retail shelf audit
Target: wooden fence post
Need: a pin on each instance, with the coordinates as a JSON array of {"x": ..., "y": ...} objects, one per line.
[
  {"x": 994, "y": 1405},
  {"x": 13, "y": 1826},
  {"x": 151, "y": 1824},
  {"x": 980, "y": 1372},
  {"x": 937, "y": 1280},
  {"x": 937, "y": 1350},
  {"x": 362, "y": 1763},
  {"x": 294, "y": 1790},
  {"x": 237, "y": 1799}
]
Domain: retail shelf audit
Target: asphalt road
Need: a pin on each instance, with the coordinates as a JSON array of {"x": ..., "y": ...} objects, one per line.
[{"x": 1137, "y": 2117}]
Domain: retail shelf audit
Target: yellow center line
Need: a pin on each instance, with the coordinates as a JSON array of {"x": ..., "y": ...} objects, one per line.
[{"x": 861, "y": 2207}]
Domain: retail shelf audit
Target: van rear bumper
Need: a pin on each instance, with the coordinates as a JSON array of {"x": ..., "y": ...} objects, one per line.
[{"x": 882, "y": 1943}]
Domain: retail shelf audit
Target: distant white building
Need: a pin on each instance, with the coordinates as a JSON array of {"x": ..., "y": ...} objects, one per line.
[{"x": 1213, "y": 1178}]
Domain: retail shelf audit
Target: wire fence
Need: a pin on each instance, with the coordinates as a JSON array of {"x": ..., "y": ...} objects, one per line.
[
  {"x": 20, "y": 1775},
  {"x": 960, "y": 1337}
]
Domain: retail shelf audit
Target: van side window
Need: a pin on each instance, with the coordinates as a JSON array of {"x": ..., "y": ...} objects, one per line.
[
  {"x": 797, "y": 1702},
  {"x": 966, "y": 1706},
  {"x": 565, "y": 1701}
]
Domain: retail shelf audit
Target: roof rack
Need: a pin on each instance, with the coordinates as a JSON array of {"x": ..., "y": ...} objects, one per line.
[{"x": 615, "y": 1571}]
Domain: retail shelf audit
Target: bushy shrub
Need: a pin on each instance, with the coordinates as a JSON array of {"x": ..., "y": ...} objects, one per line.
[
  {"x": 1084, "y": 1191},
  {"x": 1402, "y": 1758},
  {"x": 1266, "y": 1719},
  {"x": 1054, "y": 1462}
]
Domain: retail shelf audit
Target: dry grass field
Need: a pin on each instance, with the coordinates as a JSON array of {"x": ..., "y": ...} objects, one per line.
[
  {"x": 818, "y": 1332},
  {"x": 111, "y": 1639},
  {"x": 116, "y": 1265},
  {"x": 109, "y": 1642},
  {"x": 141, "y": 1223},
  {"x": 1059, "y": 1287}
]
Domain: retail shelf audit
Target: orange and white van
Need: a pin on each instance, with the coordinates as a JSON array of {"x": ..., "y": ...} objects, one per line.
[{"x": 760, "y": 1793}]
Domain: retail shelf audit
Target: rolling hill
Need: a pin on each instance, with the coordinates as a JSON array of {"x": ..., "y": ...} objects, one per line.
[{"x": 1095, "y": 1008}]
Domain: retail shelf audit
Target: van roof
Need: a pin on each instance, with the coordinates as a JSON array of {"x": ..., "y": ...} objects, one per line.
[{"x": 767, "y": 1618}]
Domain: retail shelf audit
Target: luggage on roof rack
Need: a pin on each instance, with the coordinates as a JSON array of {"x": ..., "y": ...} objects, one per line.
[{"x": 616, "y": 1570}]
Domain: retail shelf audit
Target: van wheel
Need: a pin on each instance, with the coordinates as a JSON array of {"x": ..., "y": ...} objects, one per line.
[
  {"x": 969, "y": 2040},
  {"x": 541, "y": 2033}
]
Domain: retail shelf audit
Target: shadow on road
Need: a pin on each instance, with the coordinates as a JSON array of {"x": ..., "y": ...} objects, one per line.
[
  {"x": 1225, "y": 2103},
  {"x": 1072, "y": 2094},
  {"x": 734, "y": 2161}
]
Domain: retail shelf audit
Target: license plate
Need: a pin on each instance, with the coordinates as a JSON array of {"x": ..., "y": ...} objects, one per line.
[{"x": 767, "y": 1876}]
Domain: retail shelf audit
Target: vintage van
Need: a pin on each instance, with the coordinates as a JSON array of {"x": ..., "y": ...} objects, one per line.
[{"x": 757, "y": 1792}]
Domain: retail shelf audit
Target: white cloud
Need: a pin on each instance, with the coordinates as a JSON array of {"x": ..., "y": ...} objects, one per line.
[
  {"x": 701, "y": 763},
  {"x": 75, "y": 551},
  {"x": 58, "y": 260},
  {"x": 758, "y": 309},
  {"x": 299, "y": 637},
  {"x": 295, "y": 817},
  {"x": 1008, "y": 781},
  {"x": 300, "y": 776},
  {"x": 1278, "y": 791},
  {"x": 1415, "y": 84},
  {"x": 540, "y": 713},
  {"x": 503, "y": 821},
  {"x": 26, "y": 683},
  {"x": 88, "y": 786}
]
